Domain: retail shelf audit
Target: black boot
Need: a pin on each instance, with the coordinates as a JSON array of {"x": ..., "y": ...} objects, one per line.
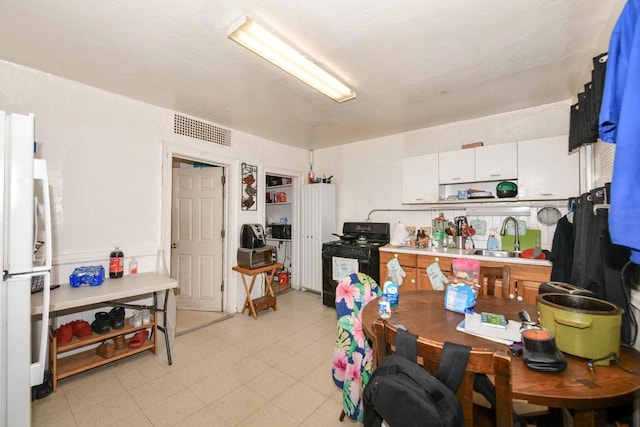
[
  {"x": 117, "y": 317},
  {"x": 102, "y": 322}
]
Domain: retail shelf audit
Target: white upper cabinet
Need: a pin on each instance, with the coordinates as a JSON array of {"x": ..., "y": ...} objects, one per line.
[
  {"x": 456, "y": 167},
  {"x": 420, "y": 179},
  {"x": 546, "y": 169},
  {"x": 496, "y": 162}
]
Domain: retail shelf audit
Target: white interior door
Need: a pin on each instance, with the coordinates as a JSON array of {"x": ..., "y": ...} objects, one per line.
[{"x": 196, "y": 236}]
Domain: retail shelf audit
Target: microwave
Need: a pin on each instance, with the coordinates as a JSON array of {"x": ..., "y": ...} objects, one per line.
[
  {"x": 256, "y": 257},
  {"x": 281, "y": 231}
]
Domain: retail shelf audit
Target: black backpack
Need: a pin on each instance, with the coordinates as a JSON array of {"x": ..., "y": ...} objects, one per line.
[{"x": 403, "y": 393}]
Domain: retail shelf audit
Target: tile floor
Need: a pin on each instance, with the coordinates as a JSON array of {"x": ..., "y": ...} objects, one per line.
[
  {"x": 188, "y": 321},
  {"x": 274, "y": 371}
]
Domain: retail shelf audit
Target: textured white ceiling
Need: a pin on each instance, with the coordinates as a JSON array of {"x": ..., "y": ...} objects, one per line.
[{"x": 413, "y": 63}]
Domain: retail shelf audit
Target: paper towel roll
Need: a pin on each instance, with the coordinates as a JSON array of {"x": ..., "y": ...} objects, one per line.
[{"x": 399, "y": 234}]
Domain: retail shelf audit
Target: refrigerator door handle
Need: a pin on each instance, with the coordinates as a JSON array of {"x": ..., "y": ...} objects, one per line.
[
  {"x": 40, "y": 172},
  {"x": 38, "y": 367}
]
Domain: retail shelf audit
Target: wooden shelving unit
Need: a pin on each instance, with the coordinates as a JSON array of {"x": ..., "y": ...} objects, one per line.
[{"x": 66, "y": 366}]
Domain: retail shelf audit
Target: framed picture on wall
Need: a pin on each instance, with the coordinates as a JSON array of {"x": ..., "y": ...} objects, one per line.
[{"x": 249, "y": 187}]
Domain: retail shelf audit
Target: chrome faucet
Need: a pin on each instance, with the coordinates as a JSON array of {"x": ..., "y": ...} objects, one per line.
[{"x": 503, "y": 230}]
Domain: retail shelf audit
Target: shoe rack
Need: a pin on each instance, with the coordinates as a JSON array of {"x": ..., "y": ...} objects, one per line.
[{"x": 66, "y": 366}]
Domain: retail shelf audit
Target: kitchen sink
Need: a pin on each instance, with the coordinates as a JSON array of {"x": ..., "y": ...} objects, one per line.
[{"x": 497, "y": 254}]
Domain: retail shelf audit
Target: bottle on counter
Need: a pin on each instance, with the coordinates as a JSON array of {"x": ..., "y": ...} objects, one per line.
[
  {"x": 116, "y": 263},
  {"x": 133, "y": 267},
  {"x": 390, "y": 290},
  {"x": 492, "y": 242},
  {"x": 384, "y": 307}
]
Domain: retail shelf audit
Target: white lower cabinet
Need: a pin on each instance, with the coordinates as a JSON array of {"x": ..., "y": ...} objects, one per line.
[
  {"x": 318, "y": 221},
  {"x": 546, "y": 169}
]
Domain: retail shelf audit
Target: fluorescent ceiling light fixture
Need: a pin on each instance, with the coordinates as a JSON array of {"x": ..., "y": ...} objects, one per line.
[{"x": 251, "y": 35}]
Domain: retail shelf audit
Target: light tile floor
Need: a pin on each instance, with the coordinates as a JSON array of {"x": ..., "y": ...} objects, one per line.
[
  {"x": 273, "y": 371},
  {"x": 189, "y": 320}
]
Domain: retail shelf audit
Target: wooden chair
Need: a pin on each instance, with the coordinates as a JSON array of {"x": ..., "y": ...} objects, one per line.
[
  {"x": 494, "y": 363},
  {"x": 487, "y": 279}
]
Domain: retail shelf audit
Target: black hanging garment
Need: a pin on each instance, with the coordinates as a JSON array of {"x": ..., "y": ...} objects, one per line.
[
  {"x": 562, "y": 251},
  {"x": 584, "y": 115},
  {"x": 574, "y": 127},
  {"x": 614, "y": 258},
  {"x": 597, "y": 78}
]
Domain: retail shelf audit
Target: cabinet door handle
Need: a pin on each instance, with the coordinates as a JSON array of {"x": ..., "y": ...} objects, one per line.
[
  {"x": 520, "y": 298},
  {"x": 546, "y": 194},
  {"x": 455, "y": 178},
  {"x": 495, "y": 174},
  {"x": 413, "y": 280}
]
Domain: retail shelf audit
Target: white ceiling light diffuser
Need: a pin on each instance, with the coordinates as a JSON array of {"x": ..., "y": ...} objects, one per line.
[{"x": 252, "y": 36}]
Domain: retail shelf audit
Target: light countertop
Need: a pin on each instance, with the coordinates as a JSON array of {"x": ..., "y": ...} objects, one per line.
[{"x": 456, "y": 253}]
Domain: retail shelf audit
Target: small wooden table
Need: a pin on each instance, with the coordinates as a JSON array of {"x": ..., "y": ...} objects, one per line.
[
  {"x": 269, "y": 298},
  {"x": 586, "y": 394}
]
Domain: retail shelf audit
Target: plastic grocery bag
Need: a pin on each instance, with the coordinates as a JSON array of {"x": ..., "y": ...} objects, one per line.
[{"x": 460, "y": 298}]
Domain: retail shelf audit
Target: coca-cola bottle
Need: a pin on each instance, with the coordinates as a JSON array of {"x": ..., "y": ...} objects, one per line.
[{"x": 116, "y": 263}]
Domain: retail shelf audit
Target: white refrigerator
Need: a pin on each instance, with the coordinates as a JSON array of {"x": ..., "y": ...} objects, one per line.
[{"x": 26, "y": 226}]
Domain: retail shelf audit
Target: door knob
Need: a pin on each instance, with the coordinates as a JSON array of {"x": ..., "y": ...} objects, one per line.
[{"x": 174, "y": 245}]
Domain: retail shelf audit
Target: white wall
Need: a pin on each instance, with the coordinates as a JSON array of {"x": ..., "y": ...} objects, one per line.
[
  {"x": 104, "y": 154},
  {"x": 368, "y": 174},
  {"x": 105, "y": 162}
]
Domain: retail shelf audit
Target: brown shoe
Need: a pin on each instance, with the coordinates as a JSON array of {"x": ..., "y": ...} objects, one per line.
[
  {"x": 107, "y": 349},
  {"x": 120, "y": 342}
]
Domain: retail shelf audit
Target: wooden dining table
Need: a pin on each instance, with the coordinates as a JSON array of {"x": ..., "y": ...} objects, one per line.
[{"x": 587, "y": 394}]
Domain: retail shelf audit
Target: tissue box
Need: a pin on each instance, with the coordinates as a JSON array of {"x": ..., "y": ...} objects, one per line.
[{"x": 87, "y": 276}]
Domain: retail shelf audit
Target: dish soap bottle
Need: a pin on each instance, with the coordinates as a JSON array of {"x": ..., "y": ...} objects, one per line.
[{"x": 492, "y": 242}]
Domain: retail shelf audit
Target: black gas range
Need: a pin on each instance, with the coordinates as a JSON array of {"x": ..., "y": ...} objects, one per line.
[{"x": 357, "y": 250}]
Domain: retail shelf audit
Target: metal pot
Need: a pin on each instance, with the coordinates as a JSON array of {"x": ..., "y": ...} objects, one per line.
[
  {"x": 563, "y": 288},
  {"x": 506, "y": 189},
  {"x": 583, "y": 326}
]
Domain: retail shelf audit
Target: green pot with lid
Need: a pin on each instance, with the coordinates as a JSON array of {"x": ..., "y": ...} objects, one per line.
[{"x": 507, "y": 189}]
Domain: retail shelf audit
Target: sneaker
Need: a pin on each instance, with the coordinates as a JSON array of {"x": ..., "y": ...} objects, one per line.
[
  {"x": 146, "y": 317},
  {"x": 136, "y": 319}
]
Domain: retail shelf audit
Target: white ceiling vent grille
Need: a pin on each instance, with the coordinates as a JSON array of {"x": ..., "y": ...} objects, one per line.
[{"x": 187, "y": 126}]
